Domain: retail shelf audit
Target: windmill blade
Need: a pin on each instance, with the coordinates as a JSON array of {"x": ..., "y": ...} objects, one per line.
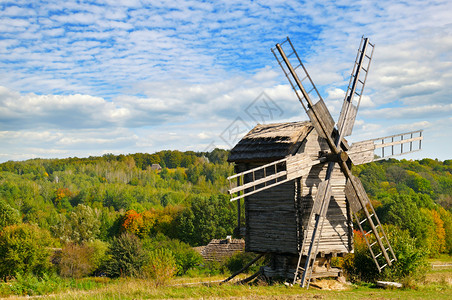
[
  {"x": 319, "y": 210},
  {"x": 275, "y": 173},
  {"x": 304, "y": 88},
  {"x": 352, "y": 196},
  {"x": 321, "y": 200},
  {"x": 355, "y": 87},
  {"x": 321, "y": 119},
  {"x": 385, "y": 147}
]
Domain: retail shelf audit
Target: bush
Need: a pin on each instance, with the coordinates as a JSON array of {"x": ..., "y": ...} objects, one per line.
[
  {"x": 161, "y": 266},
  {"x": 208, "y": 268},
  {"x": 186, "y": 258},
  {"x": 31, "y": 285},
  {"x": 411, "y": 261},
  {"x": 99, "y": 256},
  {"x": 24, "y": 248},
  {"x": 239, "y": 260},
  {"x": 126, "y": 256},
  {"x": 77, "y": 261}
]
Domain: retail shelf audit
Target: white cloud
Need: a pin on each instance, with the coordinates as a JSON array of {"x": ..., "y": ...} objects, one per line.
[
  {"x": 141, "y": 69},
  {"x": 421, "y": 112}
]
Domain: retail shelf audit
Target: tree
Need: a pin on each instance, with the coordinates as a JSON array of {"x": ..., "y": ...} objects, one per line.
[
  {"x": 218, "y": 156},
  {"x": 79, "y": 226},
  {"x": 446, "y": 217},
  {"x": 436, "y": 235},
  {"x": 8, "y": 215},
  {"x": 133, "y": 222},
  {"x": 173, "y": 159},
  {"x": 207, "y": 218},
  {"x": 75, "y": 261},
  {"x": 418, "y": 183},
  {"x": 396, "y": 173},
  {"x": 127, "y": 256},
  {"x": 24, "y": 248},
  {"x": 401, "y": 211}
]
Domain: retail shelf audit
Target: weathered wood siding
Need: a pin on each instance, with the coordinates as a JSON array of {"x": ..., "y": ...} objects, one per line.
[{"x": 271, "y": 220}]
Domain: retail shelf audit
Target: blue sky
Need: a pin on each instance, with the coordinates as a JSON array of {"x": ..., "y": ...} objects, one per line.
[{"x": 80, "y": 78}]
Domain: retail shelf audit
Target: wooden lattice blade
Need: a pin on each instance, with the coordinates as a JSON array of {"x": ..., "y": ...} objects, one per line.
[
  {"x": 355, "y": 88},
  {"x": 270, "y": 175},
  {"x": 385, "y": 147}
]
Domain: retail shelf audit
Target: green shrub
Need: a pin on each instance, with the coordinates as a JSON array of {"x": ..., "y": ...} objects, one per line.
[
  {"x": 411, "y": 261},
  {"x": 161, "y": 266},
  {"x": 32, "y": 285},
  {"x": 239, "y": 260},
  {"x": 126, "y": 256},
  {"x": 212, "y": 268},
  {"x": 24, "y": 248},
  {"x": 186, "y": 258},
  {"x": 99, "y": 254}
]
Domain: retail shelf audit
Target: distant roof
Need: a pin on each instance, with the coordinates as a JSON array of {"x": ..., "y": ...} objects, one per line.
[
  {"x": 269, "y": 142},
  {"x": 218, "y": 250},
  {"x": 156, "y": 167}
]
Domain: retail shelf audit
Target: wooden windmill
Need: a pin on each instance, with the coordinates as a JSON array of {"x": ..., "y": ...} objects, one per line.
[{"x": 300, "y": 196}]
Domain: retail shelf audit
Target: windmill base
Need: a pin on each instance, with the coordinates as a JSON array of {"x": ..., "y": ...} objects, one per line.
[{"x": 283, "y": 267}]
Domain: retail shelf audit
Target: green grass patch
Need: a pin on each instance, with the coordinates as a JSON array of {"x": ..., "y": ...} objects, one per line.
[
  {"x": 135, "y": 288},
  {"x": 437, "y": 284},
  {"x": 442, "y": 259},
  {"x": 30, "y": 285}
]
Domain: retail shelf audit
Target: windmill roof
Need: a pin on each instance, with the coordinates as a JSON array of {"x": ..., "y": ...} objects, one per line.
[{"x": 269, "y": 142}]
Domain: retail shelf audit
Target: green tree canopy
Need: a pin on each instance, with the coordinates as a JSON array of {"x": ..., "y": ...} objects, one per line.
[
  {"x": 81, "y": 225},
  {"x": 207, "y": 218},
  {"x": 8, "y": 215},
  {"x": 24, "y": 248}
]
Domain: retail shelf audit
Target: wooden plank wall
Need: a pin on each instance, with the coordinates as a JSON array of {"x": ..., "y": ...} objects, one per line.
[{"x": 271, "y": 219}]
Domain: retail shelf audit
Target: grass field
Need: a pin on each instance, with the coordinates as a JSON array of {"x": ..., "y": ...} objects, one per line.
[
  {"x": 140, "y": 289},
  {"x": 437, "y": 285}
]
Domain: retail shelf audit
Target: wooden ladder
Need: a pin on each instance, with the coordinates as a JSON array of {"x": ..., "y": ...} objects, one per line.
[{"x": 379, "y": 234}]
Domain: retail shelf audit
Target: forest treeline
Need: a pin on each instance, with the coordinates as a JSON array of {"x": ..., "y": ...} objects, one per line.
[{"x": 96, "y": 205}]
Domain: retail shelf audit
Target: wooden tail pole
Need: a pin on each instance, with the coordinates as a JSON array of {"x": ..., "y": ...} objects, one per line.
[{"x": 244, "y": 268}]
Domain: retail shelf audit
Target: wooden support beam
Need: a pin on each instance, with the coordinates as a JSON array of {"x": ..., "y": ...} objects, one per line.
[{"x": 244, "y": 268}]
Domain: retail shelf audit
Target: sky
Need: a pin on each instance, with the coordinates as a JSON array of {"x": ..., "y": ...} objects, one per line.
[{"x": 87, "y": 78}]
